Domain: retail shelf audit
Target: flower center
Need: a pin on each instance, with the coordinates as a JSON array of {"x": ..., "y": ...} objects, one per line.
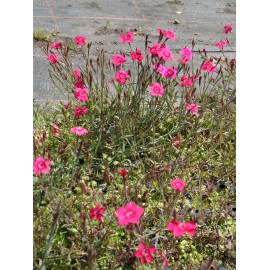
[
  {"x": 130, "y": 214},
  {"x": 41, "y": 165}
]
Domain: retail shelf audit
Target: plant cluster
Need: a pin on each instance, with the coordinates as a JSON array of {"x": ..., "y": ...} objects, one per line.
[{"x": 137, "y": 170}]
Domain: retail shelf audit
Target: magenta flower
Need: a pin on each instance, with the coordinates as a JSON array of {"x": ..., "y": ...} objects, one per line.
[
  {"x": 156, "y": 49},
  {"x": 96, "y": 212},
  {"x": 81, "y": 94},
  {"x": 156, "y": 90},
  {"x": 192, "y": 107},
  {"x": 80, "y": 111},
  {"x": 170, "y": 72},
  {"x": 186, "y": 81},
  {"x": 131, "y": 213},
  {"x": 165, "y": 54},
  {"x": 167, "y": 34},
  {"x": 56, "y": 45},
  {"x": 137, "y": 56},
  {"x": 118, "y": 60},
  {"x": 53, "y": 58},
  {"x": 80, "y": 40},
  {"x": 127, "y": 38},
  {"x": 78, "y": 131},
  {"x": 161, "y": 69},
  {"x": 144, "y": 253},
  {"x": 208, "y": 66},
  {"x": 227, "y": 28},
  {"x": 187, "y": 53},
  {"x": 42, "y": 166},
  {"x": 221, "y": 44},
  {"x": 122, "y": 76},
  {"x": 179, "y": 229},
  {"x": 178, "y": 184}
]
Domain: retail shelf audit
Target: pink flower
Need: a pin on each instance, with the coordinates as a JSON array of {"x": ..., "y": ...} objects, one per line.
[
  {"x": 227, "y": 28},
  {"x": 118, "y": 60},
  {"x": 127, "y": 37},
  {"x": 165, "y": 54},
  {"x": 144, "y": 253},
  {"x": 192, "y": 107},
  {"x": 178, "y": 184},
  {"x": 161, "y": 69},
  {"x": 42, "y": 166},
  {"x": 122, "y": 76},
  {"x": 56, "y": 45},
  {"x": 156, "y": 90},
  {"x": 79, "y": 79},
  {"x": 156, "y": 49},
  {"x": 208, "y": 66},
  {"x": 53, "y": 58},
  {"x": 123, "y": 172},
  {"x": 80, "y": 40},
  {"x": 131, "y": 213},
  {"x": 183, "y": 60},
  {"x": 80, "y": 111},
  {"x": 179, "y": 228},
  {"x": 170, "y": 72},
  {"x": 186, "y": 81},
  {"x": 167, "y": 34},
  {"x": 78, "y": 130},
  {"x": 187, "y": 53},
  {"x": 176, "y": 141},
  {"x": 137, "y": 56},
  {"x": 81, "y": 94},
  {"x": 96, "y": 212},
  {"x": 221, "y": 44},
  {"x": 55, "y": 130}
]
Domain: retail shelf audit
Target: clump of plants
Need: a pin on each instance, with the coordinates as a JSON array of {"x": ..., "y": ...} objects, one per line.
[{"x": 137, "y": 169}]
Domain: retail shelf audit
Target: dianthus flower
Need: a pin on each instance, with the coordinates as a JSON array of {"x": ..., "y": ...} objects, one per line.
[
  {"x": 156, "y": 90},
  {"x": 187, "y": 53},
  {"x": 192, "y": 107},
  {"x": 80, "y": 40},
  {"x": 56, "y": 45},
  {"x": 165, "y": 54},
  {"x": 170, "y": 72},
  {"x": 122, "y": 76},
  {"x": 167, "y": 34},
  {"x": 221, "y": 44},
  {"x": 42, "y": 166},
  {"x": 53, "y": 58},
  {"x": 208, "y": 66},
  {"x": 144, "y": 253},
  {"x": 137, "y": 56},
  {"x": 127, "y": 38},
  {"x": 78, "y": 131},
  {"x": 130, "y": 213},
  {"x": 178, "y": 184},
  {"x": 179, "y": 229},
  {"x": 80, "y": 111},
  {"x": 155, "y": 49},
  {"x": 161, "y": 69},
  {"x": 96, "y": 212},
  {"x": 186, "y": 81},
  {"x": 118, "y": 60},
  {"x": 81, "y": 94},
  {"x": 227, "y": 28}
]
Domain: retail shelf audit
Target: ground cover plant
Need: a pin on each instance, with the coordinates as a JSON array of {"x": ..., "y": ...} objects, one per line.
[{"x": 137, "y": 169}]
